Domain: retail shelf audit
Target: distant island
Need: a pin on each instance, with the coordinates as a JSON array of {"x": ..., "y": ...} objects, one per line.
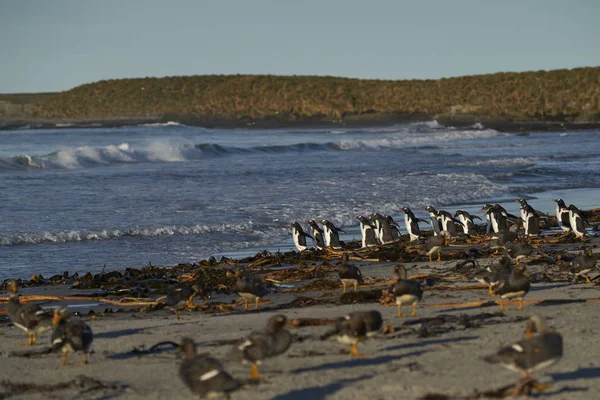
[{"x": 535, "y": 100}]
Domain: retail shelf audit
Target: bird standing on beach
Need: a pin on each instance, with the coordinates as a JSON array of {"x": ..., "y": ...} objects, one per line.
[
  {"x": 203, "y": 374},
  {"x": 395, "y": 228},
  {"x": 583, "y": 264},
  {"x": 530, "y": 217},
  {"x": 448, "y": 222},
  {"x": 496, "y": 215},
  {"x": 562, "y": 215},
  {"x": 436, "y": 222},
  {"x": 299, "y": 236},
  {"x": 70, "y": 334},
  {"x": 541, "y": 348},
  {"x": 354, "y": 328},
  {"x": 495, "y": 273},
  {"x": 332, "y": 235},
  {"x": 406, "y": 291},
  {"x": 412, "y": 224},
  {"x": 520, "y": 249},
  {"x": 349, "y": 273},
  {"x": 436, "y": 244},
  {"x": 514, "y": 285},
  {"x": 29, "y": 317},
  {"x": 251, "y": 288},
  {"x": 367, "y": 231},
  {"x": 382, "y": 228},
  {"x": 466, "y": 220},
  {"x": 263, "y": 344},
  {"x": 577, "y": 221},
  {"x": 317, "y": 234},
  {"x": 179, "y": 295}
]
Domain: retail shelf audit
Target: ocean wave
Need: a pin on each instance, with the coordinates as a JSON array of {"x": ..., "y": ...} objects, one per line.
[
  {"x": 500, "y": 162},
  {"x": 163, "y": 124},
  {"x": 166, "y": 151},
  {"x": 67, "y": 236}
]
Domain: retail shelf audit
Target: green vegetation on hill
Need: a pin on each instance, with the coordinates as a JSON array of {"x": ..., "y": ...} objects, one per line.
[{"x": 559, "y": 95}]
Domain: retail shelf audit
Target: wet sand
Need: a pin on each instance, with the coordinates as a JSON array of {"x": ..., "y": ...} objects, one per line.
[{"x": 422, "y": 356}]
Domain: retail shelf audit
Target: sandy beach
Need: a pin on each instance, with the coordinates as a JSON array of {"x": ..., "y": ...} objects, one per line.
[{"x": 439, "y": 353}]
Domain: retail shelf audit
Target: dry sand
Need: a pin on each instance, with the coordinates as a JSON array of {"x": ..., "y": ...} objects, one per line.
[{"x": 401, "y": 365}]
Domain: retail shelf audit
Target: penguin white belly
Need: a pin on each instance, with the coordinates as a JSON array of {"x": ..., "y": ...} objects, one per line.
[{"x": 327, "y": 238}]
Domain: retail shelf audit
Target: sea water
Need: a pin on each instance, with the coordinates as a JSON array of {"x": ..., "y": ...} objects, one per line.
[{"x": 79, "y": 199}]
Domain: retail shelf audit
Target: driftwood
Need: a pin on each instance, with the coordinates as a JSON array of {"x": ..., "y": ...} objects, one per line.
[{"x": 126, "y": 301}]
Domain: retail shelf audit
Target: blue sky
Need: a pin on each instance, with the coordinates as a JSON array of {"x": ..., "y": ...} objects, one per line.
[{"x": 59, "y": 44}]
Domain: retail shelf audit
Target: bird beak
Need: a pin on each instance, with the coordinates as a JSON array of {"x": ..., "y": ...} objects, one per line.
[
  {"x": 528, "y": 334},
  {"x": 55, "y": 319}
]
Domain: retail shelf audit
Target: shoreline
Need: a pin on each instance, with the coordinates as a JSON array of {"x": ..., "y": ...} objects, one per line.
[{"x": 225, "y": 123}]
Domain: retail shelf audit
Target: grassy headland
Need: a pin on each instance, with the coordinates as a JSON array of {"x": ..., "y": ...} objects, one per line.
[{"x": 529, "y": 98}]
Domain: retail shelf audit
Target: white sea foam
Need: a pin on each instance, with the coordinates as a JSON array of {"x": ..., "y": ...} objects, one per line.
[
  {"x": 500, "y": 162},
  {"x": 168, "y": 123},
  {"x": 67, "y": 236}
]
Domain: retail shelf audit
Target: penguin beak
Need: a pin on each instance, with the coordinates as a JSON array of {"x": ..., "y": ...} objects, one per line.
[{"x": 55, "y": 319}]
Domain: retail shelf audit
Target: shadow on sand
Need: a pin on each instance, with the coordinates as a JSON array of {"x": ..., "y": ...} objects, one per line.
[
  {"x": 319, "y": 392},
  {"x": 356, "y": 362},
  {"x": 429, "y": 342},
  {"x": 581, "y": 373}
]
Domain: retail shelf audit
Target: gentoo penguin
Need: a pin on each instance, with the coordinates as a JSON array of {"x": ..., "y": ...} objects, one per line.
[
  {"x": 355, "y": 327},
  {"x": 436, "y": 223},
  {"x": 332, "y": 235},
  {"x": 514, "y": 285},
  {"x": 317, "y": 234},
  {"x": 562, "y": 215},
  {"x": 383, "y": 228},
  {"x": 577, "y": 221},
  {"x": 299, "y": 236},
  {"x": 531, "y": 221},
  {"x": 203, "y": 374},
  {"x": 466, "y": 220},
  {"x": 367, "y": 231},
  {"x": 263, "y": 344},
  {"x": 448, "y": 222},
  {"x": 496, "y": 215},
  {"x": 349, "y": 274},
  {"x": 406, "y": 291},
  {"x": 523, "y": 203},
  {"x": 250, "y": 288},
  {"x": 29, "y": 317},
  {"x": 542, "y": 348},
  {"x": 412, "y": 224},
  {"x": 394, "y": 226},
  {"x": 70, "y": 334},
  {"x": 583, "y": 264}
]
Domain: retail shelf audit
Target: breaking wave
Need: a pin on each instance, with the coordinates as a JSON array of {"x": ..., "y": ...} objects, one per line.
[
  {"x": 164, "y": 151},
  {"x": 67, "y": 236}
]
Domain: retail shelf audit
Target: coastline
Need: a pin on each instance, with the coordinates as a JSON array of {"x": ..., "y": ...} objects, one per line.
[{"x": 290, "y": 122}]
